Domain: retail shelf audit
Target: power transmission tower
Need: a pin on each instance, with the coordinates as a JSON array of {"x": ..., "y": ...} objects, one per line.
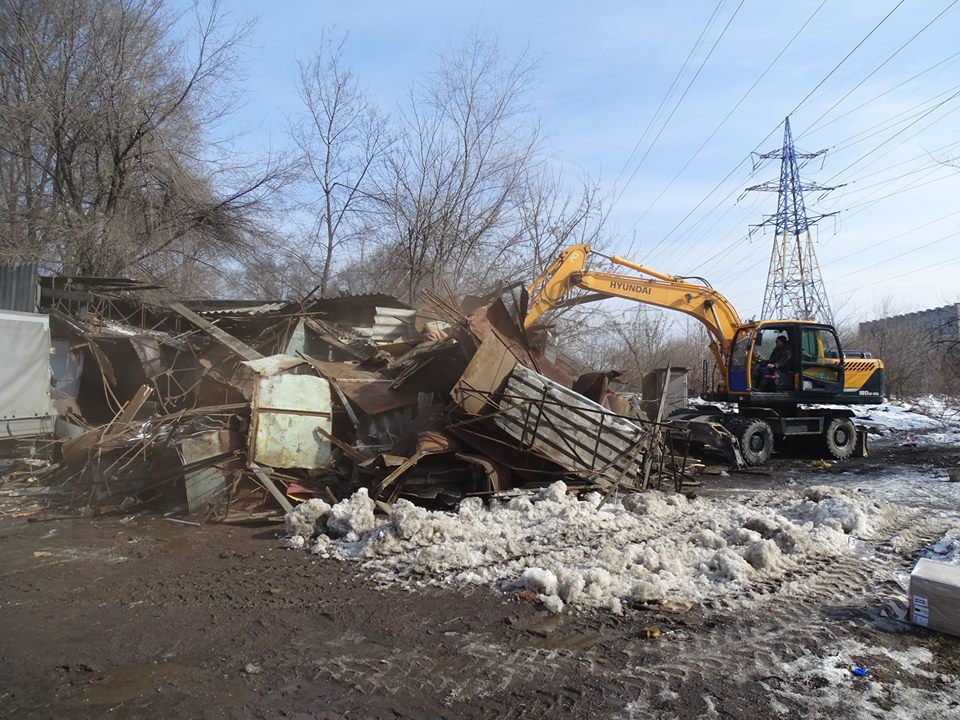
[{"x": 794, "y": 284}]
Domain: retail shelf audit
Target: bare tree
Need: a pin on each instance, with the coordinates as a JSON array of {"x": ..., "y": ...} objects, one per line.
[
  {"x": 553, "y": 217},
  {"x": 106, "y": 165},
  {"x": 453, "y": 184},
  {"x": 342, "y": 138}
]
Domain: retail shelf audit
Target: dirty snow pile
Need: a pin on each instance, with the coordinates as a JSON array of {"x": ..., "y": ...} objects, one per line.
[
  {"x": 947, "y": 549},
  {"x": 887, "y": 688},
  {"x": 649, "y": 547},
  {"x": 928, "y": 419},
  {"x": 348, "y": 519}
]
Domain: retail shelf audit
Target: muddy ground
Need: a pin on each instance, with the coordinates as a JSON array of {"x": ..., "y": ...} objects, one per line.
[{"x": 142, "y": 618}]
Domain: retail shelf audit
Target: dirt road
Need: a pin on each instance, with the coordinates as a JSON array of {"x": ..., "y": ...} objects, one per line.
[{"x": 146, "y": 619}]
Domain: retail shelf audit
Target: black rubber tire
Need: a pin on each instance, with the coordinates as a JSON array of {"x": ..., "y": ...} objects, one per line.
[
  {"x": 756, "y": 440},
  {"x": 839, "y": 438}
]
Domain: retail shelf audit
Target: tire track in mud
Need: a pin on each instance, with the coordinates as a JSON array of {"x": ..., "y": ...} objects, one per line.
[
  {"x": 754, "y": 633},
  {"x": 741, "y": 639}
]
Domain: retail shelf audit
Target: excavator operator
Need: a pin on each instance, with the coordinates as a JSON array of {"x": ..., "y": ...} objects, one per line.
[{"x": 778, "y": 364}]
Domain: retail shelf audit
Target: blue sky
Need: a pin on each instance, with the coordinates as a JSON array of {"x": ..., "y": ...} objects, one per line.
[{"x": 604, "y": 68}]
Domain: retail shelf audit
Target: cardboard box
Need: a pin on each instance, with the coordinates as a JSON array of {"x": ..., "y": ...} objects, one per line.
[{"x": 935, "y": 596}]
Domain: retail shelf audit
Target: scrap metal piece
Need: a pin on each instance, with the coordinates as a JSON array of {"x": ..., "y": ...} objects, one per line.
[
  {"x": 498, "y": 476},
  {"x": 567, "y": 428},
  {"x": 26, "y": 407},
  {"x": 284, "y": 414},
  {"x": 205, "y": 485},
  {"x": 370, "y": 391},
  {"x": 704, "y": 433},
  {"x": 485, "y": 374},
  {"x": 271, "y": 486}
]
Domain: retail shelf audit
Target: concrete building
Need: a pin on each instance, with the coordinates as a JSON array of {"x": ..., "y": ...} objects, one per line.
[{"x": 936, "y": 324}]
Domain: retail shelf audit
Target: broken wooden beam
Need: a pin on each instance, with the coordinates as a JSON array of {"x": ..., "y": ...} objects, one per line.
[
  {"x": 271, "y": 486},
  {"x": 217, "y": 333}
]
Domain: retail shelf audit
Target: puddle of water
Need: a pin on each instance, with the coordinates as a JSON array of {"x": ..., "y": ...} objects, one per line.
[
  {"x": 121, "y": 684},
  {"x": 570, "y": 641},
  {"x": 547, "y": 625}
]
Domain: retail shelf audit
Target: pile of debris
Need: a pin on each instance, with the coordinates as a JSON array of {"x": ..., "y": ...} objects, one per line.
[{"x": 229, "y": 409}]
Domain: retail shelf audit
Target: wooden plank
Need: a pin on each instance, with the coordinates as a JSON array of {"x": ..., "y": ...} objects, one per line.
[
  {"x": 351, "y": 451},
  {"x": 218, "y": 334},
  {"x": 395, "y": 475},
  {"x": 271, "y": 486},
  {"x": 136, "y": 402},
  {"x": 128, "y": 412}
]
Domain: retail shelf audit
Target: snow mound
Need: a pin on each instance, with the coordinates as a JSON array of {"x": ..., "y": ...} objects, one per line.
[
  {"x": 649, "y": 547},
  {"x": 947, "y": 549},
  {"x": 833, "y": 508},
  {"x": 928, "y": 419},
  {"x": 352, "y": 517},
  {"x": 307, "y": 519}
]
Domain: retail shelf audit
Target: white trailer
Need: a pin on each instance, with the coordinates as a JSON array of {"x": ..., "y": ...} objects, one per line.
[{"x": 26, "y": 405}]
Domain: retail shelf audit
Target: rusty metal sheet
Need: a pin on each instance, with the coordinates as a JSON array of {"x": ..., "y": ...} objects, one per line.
[
  {"x": 18, "y": 287},
  {"x": 572, "y": 431},
  {"x": 370, "y": 391},
  {"x": 485, "y": 374},
  {"x": 285, "y": 412},
  {"x": 205, "y": 485},
  {"x": 148, "y": 350}
]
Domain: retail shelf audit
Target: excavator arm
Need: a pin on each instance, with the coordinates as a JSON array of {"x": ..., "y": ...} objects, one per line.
[{"x": 702, "y": 302}]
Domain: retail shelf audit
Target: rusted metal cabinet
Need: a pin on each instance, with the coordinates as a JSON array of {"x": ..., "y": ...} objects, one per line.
[{"x": 285, "y": 412}]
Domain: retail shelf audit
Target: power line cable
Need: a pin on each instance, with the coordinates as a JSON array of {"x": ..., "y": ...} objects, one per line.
[
  {"x": 900, "y": 255},
  {"x": 679, "y": 102},
  {"x": 895, "y": 237},
  {"x": 899, "y": 275},
  {"x": 881, "y": 65},
  {"x": 667, "y": 95},
  {"x": 884, "y": 93},
  {"x": 797, "y": 107},
  {"x": 896, "y": 134},
  {"x": 846, "y": 57},
  {"x": 731, "y": 111}
]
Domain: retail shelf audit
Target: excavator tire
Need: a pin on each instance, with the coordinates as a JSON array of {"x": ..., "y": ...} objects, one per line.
[
  {"x": 839, "y": 438},
  {"x": 756, "y": 438}
]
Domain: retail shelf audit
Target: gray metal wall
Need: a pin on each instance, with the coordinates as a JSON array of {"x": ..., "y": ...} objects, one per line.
[{"x": 18, "y": 287}]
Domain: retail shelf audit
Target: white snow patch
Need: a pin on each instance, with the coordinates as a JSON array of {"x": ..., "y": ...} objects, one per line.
[
  {"x": 947, "y": 549},
  {"x": 829, "y": 670},
  {"x": 926, "y": 420},
  {"x": 352, "y": 517},
  {"x": 648, "y": 547},
  {"x": 306, "y": 519}
]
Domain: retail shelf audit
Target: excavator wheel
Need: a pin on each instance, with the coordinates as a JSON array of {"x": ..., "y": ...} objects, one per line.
[
  {"x": 756, "y": 439},
  {"x": 840, "y": 438}
]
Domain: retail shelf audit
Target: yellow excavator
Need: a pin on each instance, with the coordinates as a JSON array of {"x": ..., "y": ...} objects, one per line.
[{"x": 779, "y": 373}]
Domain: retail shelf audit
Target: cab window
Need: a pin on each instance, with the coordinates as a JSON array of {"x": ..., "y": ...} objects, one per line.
[
  {"x": 819, "y": 360},
  {"x": 738, "y": 361}
]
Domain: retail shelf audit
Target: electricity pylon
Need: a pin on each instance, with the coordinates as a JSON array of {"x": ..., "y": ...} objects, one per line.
[{"x": 795, "y": 288}]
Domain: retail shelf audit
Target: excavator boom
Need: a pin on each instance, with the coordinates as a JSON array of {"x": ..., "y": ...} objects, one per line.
[{"x": 702, "y": 302}]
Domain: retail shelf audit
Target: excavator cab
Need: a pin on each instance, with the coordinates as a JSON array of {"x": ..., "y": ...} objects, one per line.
[{"x": 779, "y": 361}]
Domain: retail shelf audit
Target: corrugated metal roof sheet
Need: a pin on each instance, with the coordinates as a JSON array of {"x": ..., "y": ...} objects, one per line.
[
  {"x": 18, "y": 287},
  {"x": 246, "y": 310}
]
